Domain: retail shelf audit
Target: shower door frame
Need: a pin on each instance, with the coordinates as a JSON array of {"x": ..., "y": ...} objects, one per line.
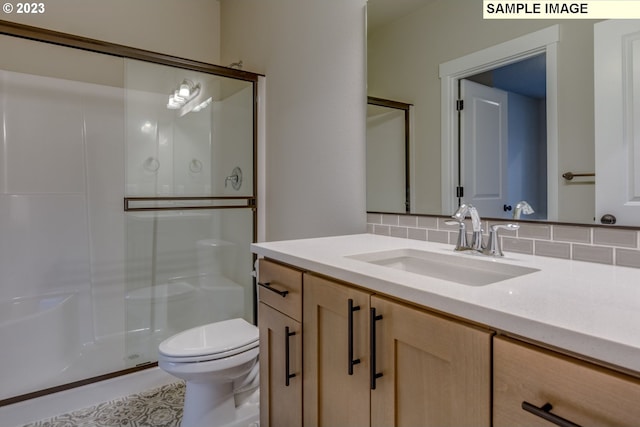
[{"x": 98, "y": 46}]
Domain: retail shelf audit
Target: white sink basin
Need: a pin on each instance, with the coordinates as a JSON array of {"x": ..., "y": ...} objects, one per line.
[{"x": 465, "y": 270}]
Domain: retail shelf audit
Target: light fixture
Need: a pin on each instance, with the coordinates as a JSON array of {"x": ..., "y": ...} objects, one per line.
[
  {"x": 184, "y": 90},
  {"x": 181, "y": 96},
  {"x": 172, "y": 104},
  {"x": 202, "y": 105}
]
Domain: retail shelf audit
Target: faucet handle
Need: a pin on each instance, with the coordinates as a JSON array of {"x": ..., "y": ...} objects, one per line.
[
  {"x": 510, "y": 226},
  {"x": 462, "y": 244},
  {"x": 494, "y": 248}
]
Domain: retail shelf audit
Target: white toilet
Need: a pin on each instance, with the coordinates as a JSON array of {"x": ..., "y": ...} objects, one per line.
[{"x": 219, "y": 363}]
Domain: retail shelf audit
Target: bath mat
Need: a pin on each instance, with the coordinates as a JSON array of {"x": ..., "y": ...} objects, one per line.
[{"x": 159, "y": 407}]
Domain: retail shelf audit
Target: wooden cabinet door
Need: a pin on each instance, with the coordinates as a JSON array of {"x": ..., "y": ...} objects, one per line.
[
  {"x": 435, "y": 371},
  {"x": 333, "y": 397},
  {"x": 280, "y": 393},
  {"x": 564, "y": 387}
]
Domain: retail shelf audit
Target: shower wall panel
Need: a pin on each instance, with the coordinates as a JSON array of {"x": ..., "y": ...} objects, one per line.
[{"x": 61, "y": 180}]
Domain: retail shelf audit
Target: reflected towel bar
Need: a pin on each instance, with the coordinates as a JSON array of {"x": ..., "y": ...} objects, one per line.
[{"x": 570, "y": 175}]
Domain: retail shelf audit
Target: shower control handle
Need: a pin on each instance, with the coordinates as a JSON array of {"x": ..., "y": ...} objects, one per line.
[
  {"x": 268, "y": 286},
  {"x": 235, "y": 178}
]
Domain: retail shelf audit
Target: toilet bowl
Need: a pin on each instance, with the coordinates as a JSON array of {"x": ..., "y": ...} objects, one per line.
[{"x": 218, "y": 361}]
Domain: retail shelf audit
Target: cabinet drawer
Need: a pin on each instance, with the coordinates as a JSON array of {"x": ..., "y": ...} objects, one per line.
[
  {"x": 281, "y": 288},
  {"x": 577, "y": 391}
]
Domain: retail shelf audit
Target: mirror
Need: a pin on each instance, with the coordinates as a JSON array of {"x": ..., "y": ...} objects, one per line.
[{"x": 407, "y": 43}]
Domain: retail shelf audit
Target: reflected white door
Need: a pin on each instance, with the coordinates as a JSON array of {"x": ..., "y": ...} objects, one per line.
[
  {"x": 617, "y": 119},
  {"x": 483, "y": 150}
]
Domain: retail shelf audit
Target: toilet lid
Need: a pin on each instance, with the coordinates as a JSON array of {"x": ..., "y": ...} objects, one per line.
[{"x": 221, "y": 339}]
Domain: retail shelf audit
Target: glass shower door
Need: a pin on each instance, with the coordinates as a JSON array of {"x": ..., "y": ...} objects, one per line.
[{"x": 190, "y": 203}]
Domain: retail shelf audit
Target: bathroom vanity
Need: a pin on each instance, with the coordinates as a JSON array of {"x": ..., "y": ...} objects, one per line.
[
  {"x": 280, "y": 326},
  {"x": 380, "y": 331}
]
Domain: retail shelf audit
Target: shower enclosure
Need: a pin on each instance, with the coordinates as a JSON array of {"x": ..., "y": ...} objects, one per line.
[{"x": 127, "y": 206}]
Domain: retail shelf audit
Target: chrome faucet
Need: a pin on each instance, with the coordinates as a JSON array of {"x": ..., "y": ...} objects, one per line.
[
  {"x": 461, "y": 244},
  {"x": 522, "y": 207},
  {"x": 493, "y": 247},
  {"x": 476, "y": 224}
]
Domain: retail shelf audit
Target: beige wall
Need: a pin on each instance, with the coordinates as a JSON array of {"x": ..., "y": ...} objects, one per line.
[
  {"x": 312, "y": 53},
  {"x": 403, "y": 60},
  {"x": 183, "y": 28}
]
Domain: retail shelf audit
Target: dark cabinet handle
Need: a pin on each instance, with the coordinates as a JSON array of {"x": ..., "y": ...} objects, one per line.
[
  {"x": 287, "y": 361},
  {"x": 372, "y": 343},
  {"x": 545, "y": 413},
  {"x": 267, "y": 285},
  {"x": 352, "y": 361}
]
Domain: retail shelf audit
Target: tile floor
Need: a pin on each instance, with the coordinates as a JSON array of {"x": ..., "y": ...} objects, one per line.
[{"x": 159, "y": 407}]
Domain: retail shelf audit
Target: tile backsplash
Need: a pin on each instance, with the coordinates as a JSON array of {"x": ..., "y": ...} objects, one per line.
[{"x": 604, "y": 245}]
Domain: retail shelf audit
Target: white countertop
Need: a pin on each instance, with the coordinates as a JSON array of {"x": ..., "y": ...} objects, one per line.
[{"x": 586, "y": 308}]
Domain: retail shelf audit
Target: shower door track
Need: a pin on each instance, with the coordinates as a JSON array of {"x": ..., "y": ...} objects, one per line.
[{"x": 79, "y": 383}]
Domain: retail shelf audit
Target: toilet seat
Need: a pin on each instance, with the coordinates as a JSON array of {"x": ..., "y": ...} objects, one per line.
[{"x": 210, "y": 342}]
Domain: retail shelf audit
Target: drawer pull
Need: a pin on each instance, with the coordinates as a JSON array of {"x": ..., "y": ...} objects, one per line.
[
  {"x": 352, "y": 361},
  {"x": 545, "y": 413},
  {"x": 267, "y": 285},
  {"x": 372, "y": 343},
  {"x": 287, "y": 361}
]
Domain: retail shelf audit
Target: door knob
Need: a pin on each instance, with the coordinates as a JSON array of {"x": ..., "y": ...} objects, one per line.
[{"x": 608, "y": 219}]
